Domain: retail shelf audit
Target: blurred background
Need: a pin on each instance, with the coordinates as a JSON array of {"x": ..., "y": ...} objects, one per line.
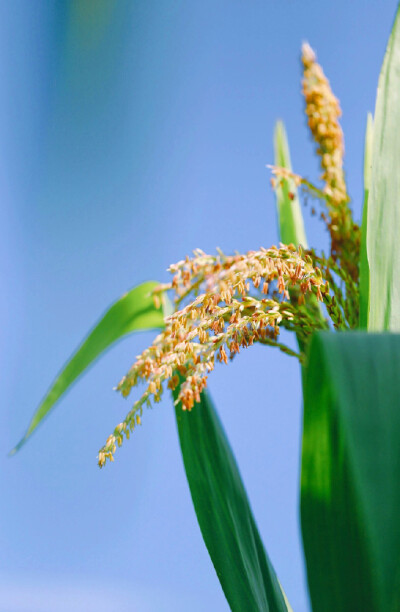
[{"x": 132, "y": 132}]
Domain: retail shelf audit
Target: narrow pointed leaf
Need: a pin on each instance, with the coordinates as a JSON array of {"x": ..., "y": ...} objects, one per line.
[
  {"x": 350, "y": 491},
  {"x": 224, "y": 514},
  {"x": 132, "y": 312},
  {"x": 290, "y": 218},
  {"x": 383, "y": 226},
  {"x": 364, "y": 266}
]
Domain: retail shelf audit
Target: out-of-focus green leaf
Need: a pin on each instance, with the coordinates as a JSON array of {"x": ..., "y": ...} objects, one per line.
[
  {"x": 132, "y": 312},
  {"x": 383, "y": 214},
  {"x": 224, "y": 514},
  {"x": 364, "y": 266},
  {"x": 290, "y": 219},
  {"x": 350, "y": 491}
]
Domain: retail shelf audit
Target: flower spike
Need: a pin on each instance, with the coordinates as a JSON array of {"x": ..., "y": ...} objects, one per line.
[{"x": 226, "y": 303}]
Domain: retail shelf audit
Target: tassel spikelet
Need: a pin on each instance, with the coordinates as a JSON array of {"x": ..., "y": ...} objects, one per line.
[
  {"x": 233, "y": 302},
  {"x": 323, "y": 112},
  {"x": 281, "y": 174}
]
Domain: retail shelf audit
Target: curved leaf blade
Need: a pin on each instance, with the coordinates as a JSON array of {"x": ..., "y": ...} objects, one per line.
[
  {"x": 132, "y": 312},
  {"x": 383, "y": 227},
  {"x": 350, "y": 492},
  {"x": 224, "y": 514}
]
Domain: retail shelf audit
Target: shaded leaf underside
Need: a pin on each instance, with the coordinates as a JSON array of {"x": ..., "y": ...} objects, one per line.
[
  {"x": 350, "y": 492},
  {"x": 224, "y": 514}
]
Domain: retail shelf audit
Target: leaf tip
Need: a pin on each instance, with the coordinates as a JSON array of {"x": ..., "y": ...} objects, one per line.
[{"x": 16, "y": 448}]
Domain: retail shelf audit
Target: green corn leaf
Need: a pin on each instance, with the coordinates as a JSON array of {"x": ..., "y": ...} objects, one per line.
[
  {"x": 383, "y": 214},
  {"x": 290, "y": 219},
  {"x": 350, "y": 492},
  {"x": 132, "y": 312},
  {"x": 364, "y": 266},
  {"x": 224, "y": 514}
]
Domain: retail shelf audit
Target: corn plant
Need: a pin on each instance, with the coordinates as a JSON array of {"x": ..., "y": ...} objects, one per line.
[{"x": 344, "y": 307}]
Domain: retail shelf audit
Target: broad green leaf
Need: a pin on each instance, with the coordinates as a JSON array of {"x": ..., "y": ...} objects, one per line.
[
  {"x": 290, "y": 219},
  {"x": 383, "y": 214},
  {"x": 132, "y": 312},
  {"x": 224, "y": 514},
  {"x": 350, "y": 491},
  {"x": 364, "y": 266}
]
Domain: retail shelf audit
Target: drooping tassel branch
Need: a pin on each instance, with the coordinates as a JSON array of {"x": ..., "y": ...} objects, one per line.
[{"x": 233, "y": 302}]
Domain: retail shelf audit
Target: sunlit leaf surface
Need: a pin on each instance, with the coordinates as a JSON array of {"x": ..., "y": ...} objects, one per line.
[
  {"x": 290, "y": 219},
  {"x": 383, "y": 226}
]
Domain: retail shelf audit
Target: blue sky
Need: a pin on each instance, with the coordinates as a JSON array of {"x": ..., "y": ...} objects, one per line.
[{"x": 131, "y": 133}]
